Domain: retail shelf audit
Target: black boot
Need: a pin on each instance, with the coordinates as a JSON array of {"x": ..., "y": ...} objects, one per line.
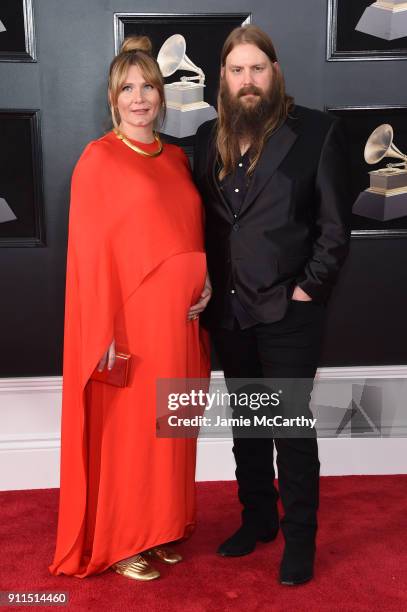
[
  {"x": 297, "y": 565},
  {"x": 243, "y": 542}
]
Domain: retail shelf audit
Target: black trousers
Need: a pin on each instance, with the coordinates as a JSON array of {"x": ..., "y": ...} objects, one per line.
[{"x": 286, "y": 349}]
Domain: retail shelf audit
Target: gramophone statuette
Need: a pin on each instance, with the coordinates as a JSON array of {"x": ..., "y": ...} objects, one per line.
[
  {"x": 386, "y": 198},
  {"x": 6, "y": 214},
  {"x": 385, "y": 19},
  {"x": 186, "y": 108}
]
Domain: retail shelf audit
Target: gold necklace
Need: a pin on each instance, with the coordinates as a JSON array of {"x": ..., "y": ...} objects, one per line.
[{"x": 123, "y": 138}]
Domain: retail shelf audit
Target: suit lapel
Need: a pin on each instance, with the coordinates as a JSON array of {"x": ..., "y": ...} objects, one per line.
[
  {"x": 275, "y": 150},
  {"x": 213, "y": 182},
  {"x": 219, "y": 193}
]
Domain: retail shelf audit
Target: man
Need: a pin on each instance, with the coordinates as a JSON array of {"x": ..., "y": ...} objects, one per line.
[{"x": 274, "y": 182}]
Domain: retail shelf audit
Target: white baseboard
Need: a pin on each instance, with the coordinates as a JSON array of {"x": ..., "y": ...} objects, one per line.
[
  {"x": 338, "y": 457},
  {"x": 30, "y": 442}
]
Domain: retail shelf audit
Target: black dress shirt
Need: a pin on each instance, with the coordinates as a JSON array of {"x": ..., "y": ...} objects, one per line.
[{"x": 234, "y": 188}]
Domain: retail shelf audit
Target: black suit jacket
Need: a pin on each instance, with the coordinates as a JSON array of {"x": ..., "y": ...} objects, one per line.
[{"x": 294, "y": 224}]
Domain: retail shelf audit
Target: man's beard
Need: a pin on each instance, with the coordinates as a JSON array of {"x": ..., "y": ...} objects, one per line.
[{"x": 247, "y": 119}]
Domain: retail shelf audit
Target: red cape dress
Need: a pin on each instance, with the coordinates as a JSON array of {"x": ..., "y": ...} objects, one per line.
[{"x": 136, "y": 263}]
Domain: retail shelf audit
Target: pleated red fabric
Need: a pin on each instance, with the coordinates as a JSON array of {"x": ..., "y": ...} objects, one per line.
[{"x": 136, "y": 263}]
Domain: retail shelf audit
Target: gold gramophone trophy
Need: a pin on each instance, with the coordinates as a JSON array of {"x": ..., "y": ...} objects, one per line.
[
  {"x": 186, "y": 109},
  {"x": 385, "y": 19},
  {"x": 386, "y": 198}
]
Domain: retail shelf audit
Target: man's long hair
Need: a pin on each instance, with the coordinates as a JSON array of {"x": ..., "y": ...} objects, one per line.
[{"x": 272, "y": 109}]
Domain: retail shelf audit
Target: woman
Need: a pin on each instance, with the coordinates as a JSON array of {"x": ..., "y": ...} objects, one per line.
[{"x": 136, "y": 281}]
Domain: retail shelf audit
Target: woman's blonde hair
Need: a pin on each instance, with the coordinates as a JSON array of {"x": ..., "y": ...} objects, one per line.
[{"x": 135, "y": 51}]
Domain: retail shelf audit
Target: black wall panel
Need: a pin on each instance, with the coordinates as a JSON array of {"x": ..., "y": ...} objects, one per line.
[{"x": 74, "y": 42}]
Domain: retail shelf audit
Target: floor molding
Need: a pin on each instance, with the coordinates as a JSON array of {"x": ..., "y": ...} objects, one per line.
[{"x": 30, "y": 441}]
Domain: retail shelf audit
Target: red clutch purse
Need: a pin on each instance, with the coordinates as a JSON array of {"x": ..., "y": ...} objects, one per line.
[{"x": 118, "y": 375}]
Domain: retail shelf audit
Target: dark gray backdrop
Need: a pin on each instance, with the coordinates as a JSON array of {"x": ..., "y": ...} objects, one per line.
[{"x": 367, "y": 314}]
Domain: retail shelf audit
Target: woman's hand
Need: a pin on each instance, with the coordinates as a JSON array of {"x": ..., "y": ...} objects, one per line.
[
  {"x": 108, "y": 357},
  {"x": 196, "y": 309},
  {"x": 299, "y": 295}
]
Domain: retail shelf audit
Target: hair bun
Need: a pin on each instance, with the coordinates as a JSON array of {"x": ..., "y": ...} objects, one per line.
[{"x": 136, "y": 43}]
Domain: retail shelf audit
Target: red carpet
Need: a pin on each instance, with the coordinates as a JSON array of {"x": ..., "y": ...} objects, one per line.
[{"x": 361, "y": 559}]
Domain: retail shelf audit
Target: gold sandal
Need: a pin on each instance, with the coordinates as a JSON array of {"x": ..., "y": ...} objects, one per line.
[
  {"x": 164, "y": 554},
  {"x": 136, "y": 568}
]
